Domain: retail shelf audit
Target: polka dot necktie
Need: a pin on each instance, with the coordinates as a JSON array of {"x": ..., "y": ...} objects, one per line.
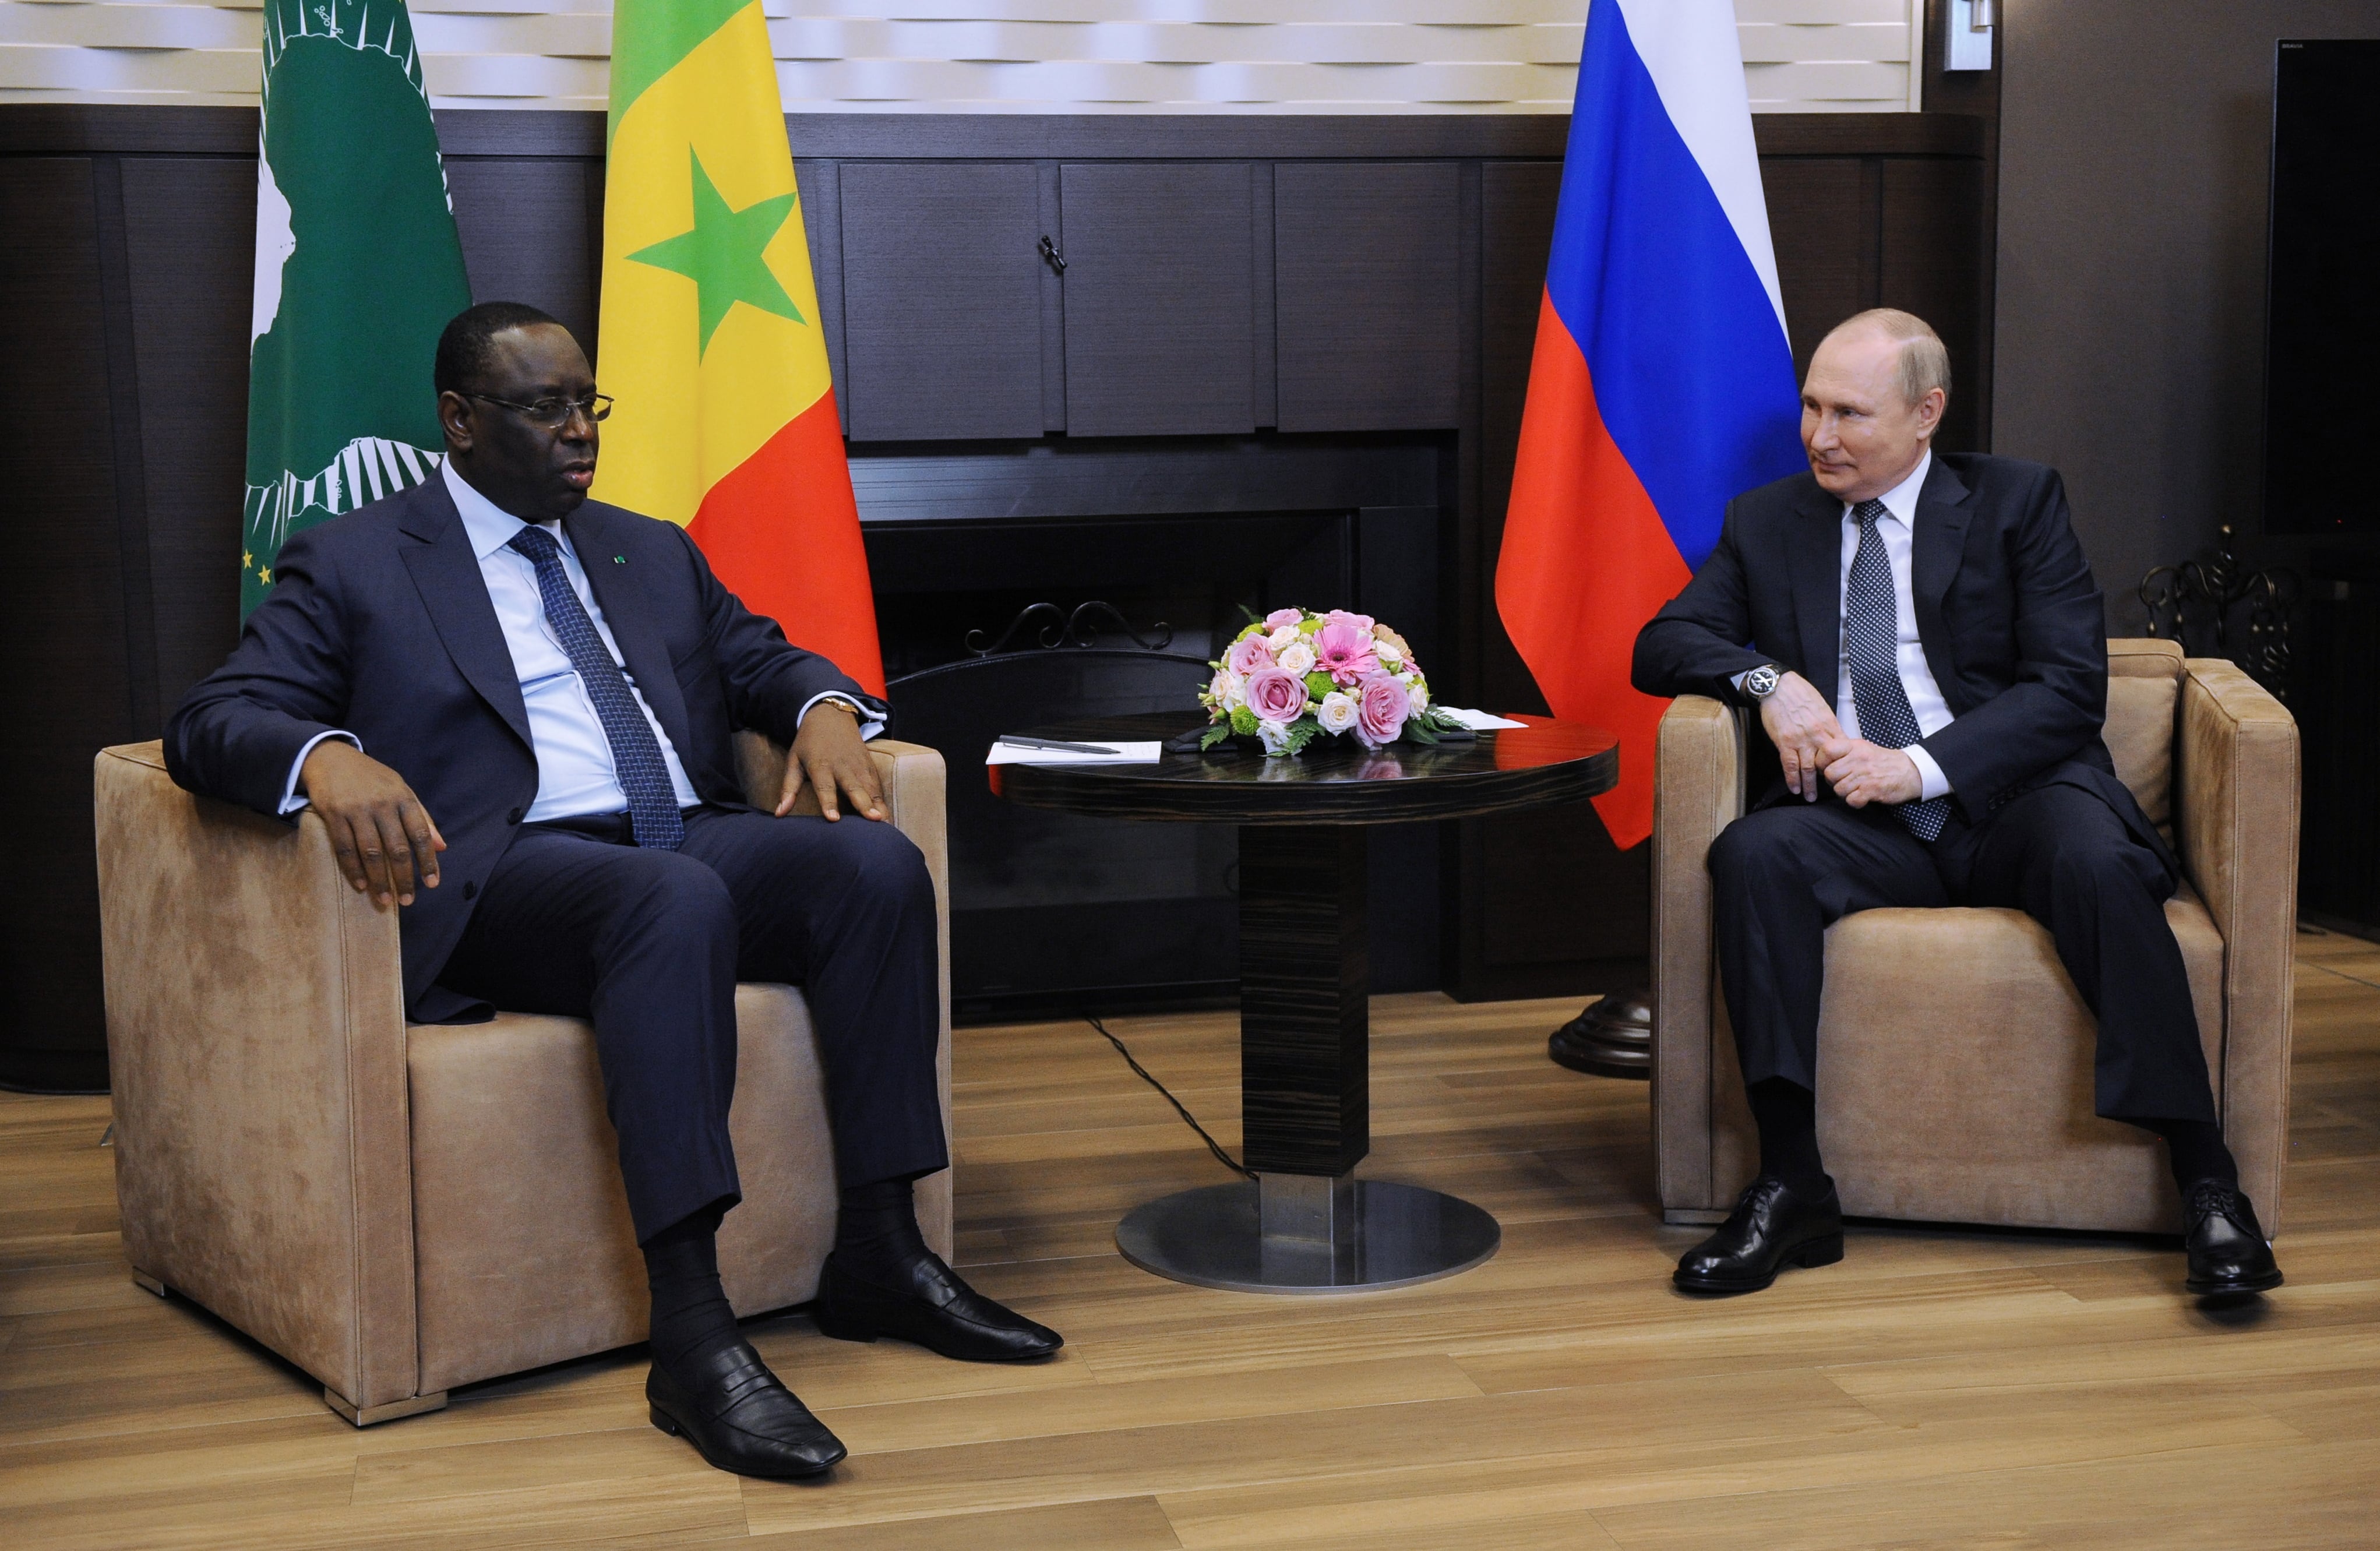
[
  {"x": 1872, "y": 650},
  {"x": 636, "y": 754}
]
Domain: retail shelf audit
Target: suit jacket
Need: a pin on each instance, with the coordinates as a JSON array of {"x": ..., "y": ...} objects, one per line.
[
  {"x": 2011, "y": 621},
  {"x": 378, "y": 624}
]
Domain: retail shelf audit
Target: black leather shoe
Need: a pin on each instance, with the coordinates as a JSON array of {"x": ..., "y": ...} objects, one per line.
[
  {"x": 924, "y": 1301},
  {"x": 1773, "y": 1227},
  {"x": 740, "y": 1417},
  {"x": 2228, "y": 1252}
]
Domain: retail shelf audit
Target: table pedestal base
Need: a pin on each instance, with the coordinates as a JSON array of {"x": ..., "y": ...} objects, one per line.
[{"x": 1308, "y": 1233}]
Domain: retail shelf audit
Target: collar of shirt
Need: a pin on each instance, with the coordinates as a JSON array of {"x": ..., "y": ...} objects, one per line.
[
  {"x": 1900, "y": 501},
  {"x": 489, "y": 525}
]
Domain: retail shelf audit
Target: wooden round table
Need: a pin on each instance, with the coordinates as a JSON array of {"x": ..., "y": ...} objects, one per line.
[{"x": 1306, "y": 1224}]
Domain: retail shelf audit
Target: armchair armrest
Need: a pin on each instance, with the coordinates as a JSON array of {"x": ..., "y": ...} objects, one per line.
[
  {"x": 255, "y": 1046},
  {"x": 1697, "y": 791},
  {"x": 2236, "y": 795}
]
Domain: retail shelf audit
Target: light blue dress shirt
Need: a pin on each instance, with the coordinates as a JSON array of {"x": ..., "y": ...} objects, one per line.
[{"x": 574, "y": 774}]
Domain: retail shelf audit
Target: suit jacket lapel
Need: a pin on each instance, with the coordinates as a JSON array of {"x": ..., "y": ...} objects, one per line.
[
  {"x": 447, "y": 575},
  {"x": 623, "y": 600},
  {"x": 1936, "y": 542},
  {"x": 1817, "y": 581}
]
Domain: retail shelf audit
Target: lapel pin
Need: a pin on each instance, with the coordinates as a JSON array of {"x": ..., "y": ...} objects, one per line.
[{"x": 619, "y": 560}]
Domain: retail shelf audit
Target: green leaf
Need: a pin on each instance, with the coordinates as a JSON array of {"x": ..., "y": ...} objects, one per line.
[
  {"x": 1417, "y": 729},
  {"x": 1302, "y": 732},
  {"x": 1215, "y": 734}
]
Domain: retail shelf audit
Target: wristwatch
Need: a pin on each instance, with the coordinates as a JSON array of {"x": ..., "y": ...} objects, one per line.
[{"x": 1762, "y": 682}]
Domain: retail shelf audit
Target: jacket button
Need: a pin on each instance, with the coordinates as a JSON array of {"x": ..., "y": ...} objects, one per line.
[
  {"x": 513, "y": 816},
  {"x": 470, "y": 890}
]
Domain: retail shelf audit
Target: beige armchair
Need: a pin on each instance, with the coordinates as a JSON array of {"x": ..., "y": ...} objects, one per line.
[
  {"x": 402, "y": 1208},
  {"x": 1955, "y": 1057}
]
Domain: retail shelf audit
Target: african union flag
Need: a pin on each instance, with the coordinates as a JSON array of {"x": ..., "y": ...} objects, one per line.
[
  {"x": 710, "y": 340},
  {"x": 357, "y": 270}
]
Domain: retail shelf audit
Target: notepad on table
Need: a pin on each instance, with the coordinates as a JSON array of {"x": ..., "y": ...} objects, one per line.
[{"x": 1479, "y": 721}]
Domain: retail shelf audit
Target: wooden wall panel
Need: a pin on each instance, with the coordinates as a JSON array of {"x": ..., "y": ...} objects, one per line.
[
  {"x": 532, "y": 232},
  {"x": 941, "y": 300},
  {"x": 1158, "y": 299},
  {"x": 1823, "y": 218},
  {"x": 189, "y": 232},
  {"x": 1365, "y": 263},
  {"x": 65, "y": 680},
  {"x": 1930, "y": 262}
]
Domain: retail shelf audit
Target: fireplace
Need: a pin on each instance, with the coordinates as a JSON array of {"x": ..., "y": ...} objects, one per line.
[{"x": 1021, "y": 584}]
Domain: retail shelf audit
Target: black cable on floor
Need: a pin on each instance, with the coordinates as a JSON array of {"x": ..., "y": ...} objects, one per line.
[{"x": 1226, "y": 1159}]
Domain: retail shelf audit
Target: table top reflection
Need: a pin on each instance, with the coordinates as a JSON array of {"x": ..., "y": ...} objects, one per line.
[{"x": 1336, "y": 780}]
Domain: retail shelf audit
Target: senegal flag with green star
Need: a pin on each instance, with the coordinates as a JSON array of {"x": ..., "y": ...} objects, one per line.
[
  {"x": 709, "y": 339},
  {"x": 357, "y": 269}
]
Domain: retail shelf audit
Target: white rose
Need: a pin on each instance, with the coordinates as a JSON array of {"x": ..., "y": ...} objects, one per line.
[
  {"x": 1417, "y": 691},
  {"x": 1386, "y": 652},
  {"x": 1297, "y": 656},
  {"x": 1336, "y": 713},
  {"x": 1229, "y": 689},
  {"x": 1281, "y": 639},
  {"x": 1274, "y": 735}
]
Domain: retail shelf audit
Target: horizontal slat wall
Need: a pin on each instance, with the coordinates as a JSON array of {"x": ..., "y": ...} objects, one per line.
[{"x": 1367, "y": 56}]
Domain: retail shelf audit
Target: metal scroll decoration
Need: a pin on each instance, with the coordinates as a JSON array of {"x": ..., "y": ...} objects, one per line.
[
  {"x": 2214, "y": 607},
  {"x": 1060, "y": 629}
]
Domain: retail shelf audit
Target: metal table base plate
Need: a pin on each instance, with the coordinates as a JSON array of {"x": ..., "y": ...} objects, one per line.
[{"x": 1353, "y": 1236}]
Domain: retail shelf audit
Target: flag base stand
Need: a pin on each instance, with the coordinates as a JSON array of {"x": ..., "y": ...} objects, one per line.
[{"x": 1613, "y": 1037}]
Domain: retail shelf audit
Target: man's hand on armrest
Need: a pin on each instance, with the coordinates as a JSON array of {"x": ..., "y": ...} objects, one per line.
[
  {"x": 1803, "y": 728},
  {"x": 380, "y": 831},
  {"x": 829, "y": 753}
]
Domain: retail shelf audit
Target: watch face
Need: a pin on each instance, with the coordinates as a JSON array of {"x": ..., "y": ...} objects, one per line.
[{"x": 1762, "y": 683}]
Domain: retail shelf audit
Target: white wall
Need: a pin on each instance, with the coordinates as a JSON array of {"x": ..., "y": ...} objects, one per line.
[{"x": 994, "y": 55}]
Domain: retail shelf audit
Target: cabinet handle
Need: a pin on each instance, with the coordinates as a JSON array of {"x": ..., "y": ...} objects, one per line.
[{"x": 1049, "y": 252}]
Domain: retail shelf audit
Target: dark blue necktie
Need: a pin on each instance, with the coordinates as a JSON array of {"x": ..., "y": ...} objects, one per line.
[
  {"x": 636, "y": 754},
  {"x": 1872, "y": 652}
]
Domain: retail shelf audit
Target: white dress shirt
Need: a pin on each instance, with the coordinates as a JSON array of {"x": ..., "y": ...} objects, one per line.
[
  {"x": 1933, "y": 713},
  {"x": 574, "y": 774}
]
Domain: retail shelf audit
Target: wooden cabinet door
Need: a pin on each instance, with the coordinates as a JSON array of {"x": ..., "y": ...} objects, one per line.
[
  {"x": 1367, "y": 257},
  {"x": 1160, "y": 298},
  {"x": 942, "y": 290}
]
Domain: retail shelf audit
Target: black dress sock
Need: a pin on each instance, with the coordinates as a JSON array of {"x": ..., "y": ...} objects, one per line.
[
  {"x": 877, "y": 1226},
  {"x": 2196, "y": 1151},
  {"x": 692, "y": 1319},
  {"x": 1787, "y": 1114}
]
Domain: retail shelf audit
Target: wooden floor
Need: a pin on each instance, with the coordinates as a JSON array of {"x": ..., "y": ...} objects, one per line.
[{"x": 1938, "y": 1389}]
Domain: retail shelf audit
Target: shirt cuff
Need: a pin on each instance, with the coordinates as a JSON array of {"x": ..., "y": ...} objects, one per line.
[
  {"x": 870, "y": 723},
  {"x": 1930, "y": 782},
  {"x": 291, "y": 798}
]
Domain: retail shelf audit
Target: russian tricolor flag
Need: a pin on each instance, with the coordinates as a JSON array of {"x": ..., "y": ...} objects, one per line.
[{"x": 1662, "y": 384}]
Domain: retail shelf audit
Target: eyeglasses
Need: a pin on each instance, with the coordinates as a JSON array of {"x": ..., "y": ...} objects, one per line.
[{"x": 553, "y": 414}]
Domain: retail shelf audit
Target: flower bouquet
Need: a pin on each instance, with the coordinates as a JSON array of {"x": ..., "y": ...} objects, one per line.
[{"x": 1295, "y": 675}]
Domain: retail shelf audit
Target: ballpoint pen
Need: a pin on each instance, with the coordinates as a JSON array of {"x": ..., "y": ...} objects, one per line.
[{"x": 1015, "y": 740}]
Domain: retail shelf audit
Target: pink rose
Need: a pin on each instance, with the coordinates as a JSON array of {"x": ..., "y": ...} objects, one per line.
[
  {"x": 1248, "y": 654},
  {"x": 1381, "y": 707},
  {"x": 1277, "y": 696},
  {"x": 1342, "y": 651},
  {"x": 1280, "y": 617},
  {"x": 1340, "y": 616}
]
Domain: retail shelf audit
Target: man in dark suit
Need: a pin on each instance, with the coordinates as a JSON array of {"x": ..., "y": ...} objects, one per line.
[
  {"x": 1924, "y": 644},
  {"x": 512, "y": 708}
]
